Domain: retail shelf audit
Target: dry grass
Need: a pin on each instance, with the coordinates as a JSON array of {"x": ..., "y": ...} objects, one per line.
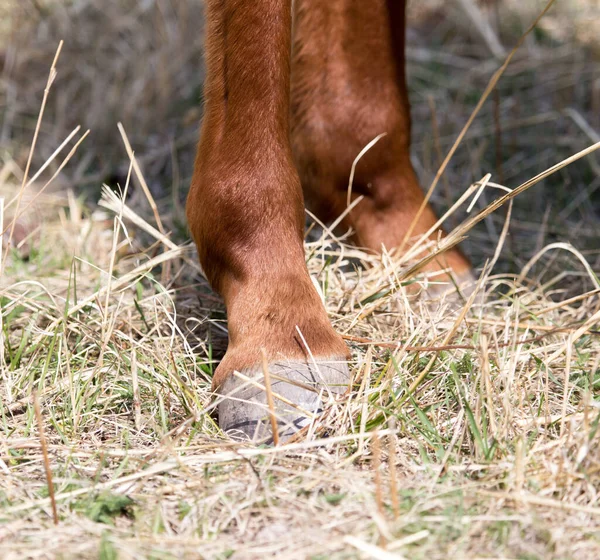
[{"x": 485, "y": 415}]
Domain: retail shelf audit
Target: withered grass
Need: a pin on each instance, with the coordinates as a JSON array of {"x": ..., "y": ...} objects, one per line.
[{"x": 485, "y": 409}]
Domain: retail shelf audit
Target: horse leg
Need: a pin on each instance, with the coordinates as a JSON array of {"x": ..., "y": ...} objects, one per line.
[{"x": 245, "y": 211}]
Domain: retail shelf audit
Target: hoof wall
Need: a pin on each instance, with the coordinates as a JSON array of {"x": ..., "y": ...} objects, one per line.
[
  {"x": 447, "y": 296},
  {"x": 299, "y": 389}
]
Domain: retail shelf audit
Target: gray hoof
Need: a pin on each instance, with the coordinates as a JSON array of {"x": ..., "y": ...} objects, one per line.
[
  {"x": 299, "y": 391},
  {"x": 453, "y": 294}
]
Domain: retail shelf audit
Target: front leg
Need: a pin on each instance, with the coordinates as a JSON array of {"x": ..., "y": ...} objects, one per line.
[{"x": 246, "y": 213}]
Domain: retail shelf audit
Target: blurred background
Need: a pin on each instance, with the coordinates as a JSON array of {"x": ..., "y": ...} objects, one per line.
[{"x": 139, "y": 62}]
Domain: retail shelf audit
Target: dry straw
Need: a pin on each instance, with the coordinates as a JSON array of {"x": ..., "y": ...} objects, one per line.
[{"x": 485, "y": 412}]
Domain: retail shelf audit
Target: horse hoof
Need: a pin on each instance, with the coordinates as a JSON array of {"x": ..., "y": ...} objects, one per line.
[
  {"x": 299, "y": 389},
  {"x": 453, "y": 295}
]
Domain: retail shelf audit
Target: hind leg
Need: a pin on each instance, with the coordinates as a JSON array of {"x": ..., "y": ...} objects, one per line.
[{"x": 349, "y": 86}]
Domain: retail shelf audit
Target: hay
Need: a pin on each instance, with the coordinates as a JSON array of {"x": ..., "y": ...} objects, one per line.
[{"x": 485, "y": 415}]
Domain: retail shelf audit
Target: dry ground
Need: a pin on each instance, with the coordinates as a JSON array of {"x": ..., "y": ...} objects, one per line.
[{"x": 471, "y": 430}]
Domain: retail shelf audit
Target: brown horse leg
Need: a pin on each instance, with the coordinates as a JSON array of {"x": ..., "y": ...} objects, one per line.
[
  {"x": 245, "y": 211},
  {"x": 349, "y": 86}
]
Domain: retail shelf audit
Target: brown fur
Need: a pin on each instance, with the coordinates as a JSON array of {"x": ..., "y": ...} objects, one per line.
[{"x": 245, "y": 207}]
